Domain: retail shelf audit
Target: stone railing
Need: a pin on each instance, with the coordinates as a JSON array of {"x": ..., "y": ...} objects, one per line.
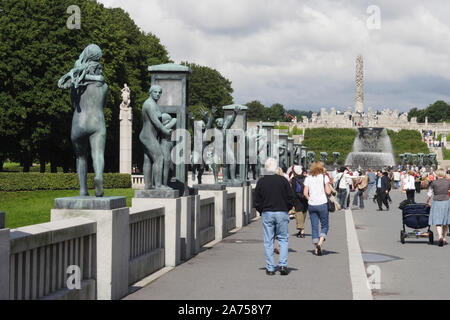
[
  {"x": 207, "y": 227},
  {"x": 108, "y": 251},
  {"x": 231, "y": 211},
  {"x": 146, "y": 244},
  {"x": 41, "y": 257},
  {"x": 137, "y": 182}
]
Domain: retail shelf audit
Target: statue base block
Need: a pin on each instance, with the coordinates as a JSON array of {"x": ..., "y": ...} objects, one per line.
[
  {"x": 233, "y": 184},
  {"x": 157, "y": 194},
  {"x": 210, "y": 187},
  {"x": 90, "y": 203}
]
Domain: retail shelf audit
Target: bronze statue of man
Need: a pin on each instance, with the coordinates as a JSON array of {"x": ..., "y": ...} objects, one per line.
[
  {"x": 88, "y": 95},
  {"x": 152, "y": 131}
]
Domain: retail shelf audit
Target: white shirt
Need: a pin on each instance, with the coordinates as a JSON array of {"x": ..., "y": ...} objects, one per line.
[
  {"x": 410, "y": 183},
  {"x": 396, "y": 176},
  {"x": 317, "y": 195},
  {"x": 343, "y": 184}
]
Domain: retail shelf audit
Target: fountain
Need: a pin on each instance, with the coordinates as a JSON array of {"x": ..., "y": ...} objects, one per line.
[{"x": 372, "y": 149}]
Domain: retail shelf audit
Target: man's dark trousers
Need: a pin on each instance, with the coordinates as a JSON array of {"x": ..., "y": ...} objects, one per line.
[{"x": 382, "y": 198}]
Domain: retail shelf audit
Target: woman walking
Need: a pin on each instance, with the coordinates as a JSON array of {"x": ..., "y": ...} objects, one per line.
[
  {"x": 316, "y": 190},
  {"x": 301, "y": 203},
  {"x": 440, "y": 209}
]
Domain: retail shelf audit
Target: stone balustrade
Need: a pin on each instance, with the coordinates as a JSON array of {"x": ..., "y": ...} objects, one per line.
[
  {"x": 207, "y": 225},
  {"x": 40, "y": 256},
  {"x": 115, "y": 248}
]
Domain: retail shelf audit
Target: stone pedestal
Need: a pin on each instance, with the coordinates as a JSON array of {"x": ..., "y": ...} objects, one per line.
[
  {"x": 4, "y": 259},
  {"x": 113, "y": 239},
  {"x": 170, "y": 200},
  {"x": 247, "y": 202},
  {"x": 126, "y": 141},
  {"x": 187, "y": 207},
  {"x": 195, "y": 225},
  {"x": 220, "y": 207},
  {"x": 240, "y": 211},
  {"x": 174, "y": 81}
]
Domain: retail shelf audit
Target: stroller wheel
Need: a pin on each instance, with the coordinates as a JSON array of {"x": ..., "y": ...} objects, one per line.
[
  {"x": 402, "y": 237},
  {"x": 431, "y": 238}
]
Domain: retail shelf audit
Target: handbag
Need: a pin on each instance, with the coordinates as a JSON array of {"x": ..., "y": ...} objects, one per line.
[{"x": 331, "y": 205}]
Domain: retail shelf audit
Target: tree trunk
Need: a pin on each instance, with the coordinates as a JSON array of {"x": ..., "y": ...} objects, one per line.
[
  {"x": 53, "y": 166},
  {"x": 42, "y": 166},
  {"x": 26, "y": 165},
  {"x": 1, "y": 165}
]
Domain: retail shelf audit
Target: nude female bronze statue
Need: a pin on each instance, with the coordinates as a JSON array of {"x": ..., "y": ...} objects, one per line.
[{"x": 88, "y": 95}]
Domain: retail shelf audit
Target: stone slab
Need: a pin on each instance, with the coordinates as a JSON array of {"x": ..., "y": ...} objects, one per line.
[
  {"x": 210, "y": 187},
  {"x": 2, "y": 220},
  {"x": 90, "y": 203},
  {"x": 234, "y": 184},
  {"x": 157, "y": 194}
]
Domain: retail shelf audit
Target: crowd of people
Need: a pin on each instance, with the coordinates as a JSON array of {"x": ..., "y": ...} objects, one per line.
[{"x": 317, "y": 192}]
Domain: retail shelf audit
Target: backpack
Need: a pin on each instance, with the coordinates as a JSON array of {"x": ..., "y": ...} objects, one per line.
[{"x": 298, "y": 188}]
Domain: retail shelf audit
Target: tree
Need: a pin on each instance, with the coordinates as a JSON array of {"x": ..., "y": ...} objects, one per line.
[
  {"x": 276, "y": 113},
  {"x": 208, "y": 88},
  {"x": 37, "y": 48},
  {"x": 437, "y": 112},
  {"x": 256, "y": 111}
]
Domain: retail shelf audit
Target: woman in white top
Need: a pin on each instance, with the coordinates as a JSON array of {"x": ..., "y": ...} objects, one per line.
[
  {"x": 410, "y": 186},
  {"x": 316, "y": 190}
]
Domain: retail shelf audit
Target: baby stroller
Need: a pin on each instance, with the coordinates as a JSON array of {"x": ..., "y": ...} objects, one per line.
[{"x": 416, "y": 217}]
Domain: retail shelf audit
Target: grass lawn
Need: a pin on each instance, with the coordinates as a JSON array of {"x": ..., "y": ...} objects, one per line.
[{"x": 33, "y": 207}]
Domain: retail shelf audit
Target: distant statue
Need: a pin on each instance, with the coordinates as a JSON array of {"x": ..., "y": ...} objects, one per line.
[
  {"x": 198, "y": 165},
  {"x": 283, "y": 151},
  {"x": 323, "y": 157},
  {"x": 154, "y": 136},
  {"x": 254, "y": 170},
  {"x": 125, "y": 106},
  {"x": 167, "y": 146},
  {"x": 88, "y": 95},
  {"x": 229, "y": 170},
  {"x": 297, "y": 155},
  {"x": 420, "y": 157},
  {"x": 336, "y": 156},
  {"x": 311, "y": 157}
]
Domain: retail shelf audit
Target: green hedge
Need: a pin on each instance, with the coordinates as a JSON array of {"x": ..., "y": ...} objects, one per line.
[
  {"x": 330, "y": 140},
  {"x": 407, "y": 141},
  {"x": 58, "y": 181},
  {"x": 446, "y": 154}
]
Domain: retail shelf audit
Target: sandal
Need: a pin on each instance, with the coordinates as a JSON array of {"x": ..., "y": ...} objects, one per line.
[
  {"x": 300, "y": 234},
  {"x": 319, "y": 250}
]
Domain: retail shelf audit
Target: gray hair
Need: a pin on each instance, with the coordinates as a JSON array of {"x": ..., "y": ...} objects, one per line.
[{"x": 271, "y": 166}]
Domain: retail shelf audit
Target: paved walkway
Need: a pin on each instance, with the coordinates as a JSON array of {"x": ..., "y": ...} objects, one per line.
[
  {"x": 422, "y": 271},
  {"x": 235, "y": 270}
]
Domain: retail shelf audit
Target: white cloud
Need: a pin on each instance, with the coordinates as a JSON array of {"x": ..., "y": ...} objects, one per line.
[{"x": 302, "y": 53}]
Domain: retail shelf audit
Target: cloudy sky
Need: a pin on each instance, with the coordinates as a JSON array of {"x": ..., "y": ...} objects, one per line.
[{"x": 302, "y": 53}]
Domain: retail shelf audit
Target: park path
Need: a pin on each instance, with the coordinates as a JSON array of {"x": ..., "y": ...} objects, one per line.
[
  {"x": 419, "y": 270},
  {"x": 234, "y": 269}
]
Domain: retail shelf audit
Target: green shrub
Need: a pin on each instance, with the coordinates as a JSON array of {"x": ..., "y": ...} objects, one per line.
[
  {"x": 297, "y": 131},
  {"x": 446, "y": 154},
  {"x": 407, "y": 141},
  {"x": 58, "y": 181},
  {"x": 330, "y": 140}
]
